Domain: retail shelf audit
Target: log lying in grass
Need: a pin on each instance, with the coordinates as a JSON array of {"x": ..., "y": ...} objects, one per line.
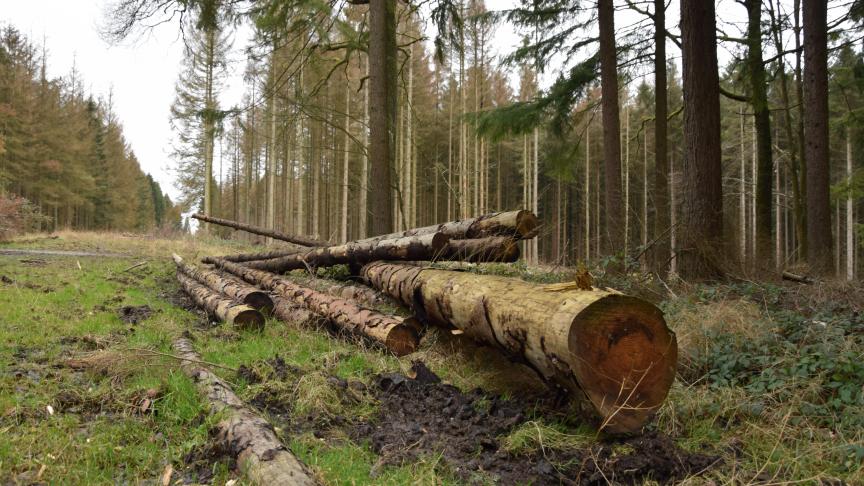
[
  {"x": 236, "y": 290},
  {"x": 238, "y": 315},
  {"x": 247, "y": 436},
  {"x": 614, "y": 349},
  {"x": 425, "y": 247},
  {"x": 297, "y": 240},
  {"x": 396, "y": 334},
  {"x": 519, "y": 224}
]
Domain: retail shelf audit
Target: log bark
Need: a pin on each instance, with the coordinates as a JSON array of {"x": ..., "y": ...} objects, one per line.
[
  {"x": 426, "y": 247},
  {"x": 614, "y": 349},
  {"x": 491, "y": 249},
  {"x": 264, "y": 255},
  {"x": 242, "y": 432},
  {"x": 297, "y": 240},
  {"x": 395, "y": 333},
  {"x": 240, "y": 316},
  {"x": 346, "y": 290},
  {"x": 236, "y": 290},
  {"x": 520, "y": 224}
]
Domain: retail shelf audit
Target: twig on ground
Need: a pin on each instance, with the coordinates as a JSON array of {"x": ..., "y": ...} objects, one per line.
[
  {"x": 141, "y": 264},
  {"x": 179, "y": 358}
]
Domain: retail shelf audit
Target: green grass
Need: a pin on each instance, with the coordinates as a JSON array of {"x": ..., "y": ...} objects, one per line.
[{"x": 782, "y": 412}]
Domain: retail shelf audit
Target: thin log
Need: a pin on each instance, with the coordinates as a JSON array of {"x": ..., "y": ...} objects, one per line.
[
  {"x": 346, "y": 290},
  {"x": 264, "y": 255},
  {"x": 793, "y": 277},
  {"x": 519, "y": 224},
  {"x": 492, "y": 249},
  {"x": 297, "y": 240},
  {"x": 246, "y": 435},
  {"x": 236, "y": 290},
  {"x": 395, "y": 333},
  {"x": 426, "y": 247},
  {"x": 240, "y": 316},
  {"x": 613, "y": 349}
]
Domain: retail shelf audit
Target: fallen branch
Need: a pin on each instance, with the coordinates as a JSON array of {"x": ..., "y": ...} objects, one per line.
[
  {"x": 798, "y": 278},
  {"x": 152, "y": 352},
  {"x": 247, "y": 436},
  {"x": 133, "y": 267},
  {"x": 297, "y": 240}
]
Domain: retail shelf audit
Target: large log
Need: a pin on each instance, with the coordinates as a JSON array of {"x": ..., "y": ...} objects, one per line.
[
  {"x": 395, "y": 333},
  {"x": 613, "y": 349},
  {"x": 519, "y": 224},
  {"x": 233, "y": 313},
  {"x": 246, "y": 435},
  {"x": 492, "y": 249},
  {"x": 426, "y": 247},
  {"x": 236, "y": 290},
  {"x": 297, "y": 240}
]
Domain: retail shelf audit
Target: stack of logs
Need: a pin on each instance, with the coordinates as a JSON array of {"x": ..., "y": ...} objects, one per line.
[{"x": 612, "y": 350}]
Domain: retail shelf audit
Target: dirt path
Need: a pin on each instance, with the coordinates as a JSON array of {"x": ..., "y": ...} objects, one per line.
[{"x": 22, "y": 252}]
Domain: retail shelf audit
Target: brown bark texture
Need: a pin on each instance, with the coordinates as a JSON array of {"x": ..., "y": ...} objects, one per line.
[
  {"x": 246, "y": 435},
  {"x": 383, "y": 96},
  {"x": 820, "y": 247},
  {"x": 411, "y": 248},
  {"x": 614, "y": 229},
  {"x": 395, "y": 333},
  {"x": 297, "y": 240},
  {"x": 700, "y": 238},
  {"x": 519, "y": 224},
  {"x": 660, "y": 195},
  {"x": 236, "y": 290},
  {"x": 614, "y": 349},
  {"x": 240, "y": 316}
]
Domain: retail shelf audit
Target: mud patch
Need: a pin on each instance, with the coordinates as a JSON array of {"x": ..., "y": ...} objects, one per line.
[
  {"x": 199, "y": 464},
  {"x": 133, "y": 314},
  {"x": 424, "y": 417}
]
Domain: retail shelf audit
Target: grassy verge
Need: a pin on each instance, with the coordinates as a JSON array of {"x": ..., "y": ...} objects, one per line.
[{"x": 770, "y": 379}]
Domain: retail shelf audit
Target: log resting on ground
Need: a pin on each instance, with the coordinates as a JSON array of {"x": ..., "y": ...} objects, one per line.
[
  {"x": 396, "y": 334},
  {"x": 519, "y": 224},
  {"x": 247, "y": 436},
  {"x": 613, "y": 349},
  {"x": 236, "y": 290},
  {"x": 345, "y": 290},
  {"x": 426, "y": 247},
  {"x": 240, "y": 316},
  {"x": 264, "y": 255},
  {"x": 297, "y": 240}
]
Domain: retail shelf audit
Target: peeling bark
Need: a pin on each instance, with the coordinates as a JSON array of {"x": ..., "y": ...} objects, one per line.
[
  {"x": 236, "y": 290},
  {"x": 246, "y": 435},
  {"x": 395, "y": 333},
  {"x": 297, "y": 240},
  {"x": 614, "y": 349},
  {"x": 426, "y": 247},
  {"x": 238, "y": 315}
]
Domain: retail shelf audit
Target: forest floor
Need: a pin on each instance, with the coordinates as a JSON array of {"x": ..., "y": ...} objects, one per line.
[{"x": 769, "y": 389}]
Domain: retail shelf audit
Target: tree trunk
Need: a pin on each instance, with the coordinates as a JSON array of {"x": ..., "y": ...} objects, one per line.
[
  {"x": 701, "y": 235},
  {"x": 297, "y": 240},
  {"x": 613, "y": 236},
  {"x": 425, "y": 247},
  {"x": 240, "y": 316},
  {"x": 799, "y": 92},
  {"x": 249, "y": 438},
  {"x": 343, "y": 227},
  {"x": 662, "y": 245},
  {"x": 850, "y": 212},
  {"x": 382, "y": 79},
  {"x": 519, "y": 224},
  {"x": 396, "y": 334},
  {"x": 615, "y": 349},
  {"x": 820, "y": 258},
  {"x": 237, "y": 291}
]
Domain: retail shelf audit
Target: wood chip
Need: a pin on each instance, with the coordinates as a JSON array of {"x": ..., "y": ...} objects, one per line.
[{"x": 166, "y": 475}]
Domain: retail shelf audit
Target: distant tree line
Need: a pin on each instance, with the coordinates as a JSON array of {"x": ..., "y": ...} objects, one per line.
[{"x": 64, "y": 152}]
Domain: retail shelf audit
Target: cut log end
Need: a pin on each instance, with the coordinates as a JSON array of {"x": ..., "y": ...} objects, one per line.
[
  {"x": 403, "y": 340},
  {"x": 527, "y": 224},
  {"x": 248, "y": 320},
  {"x": 627, "y": 362},
  {"x": 260, "y": 301}
]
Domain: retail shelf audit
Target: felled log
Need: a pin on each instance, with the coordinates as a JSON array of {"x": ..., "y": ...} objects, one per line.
[
  {"x": 297, "y": 240},
  {"x": 396, "y": 334},
  {"x": 345, "y": 290},
  {"x": 519, "y": 224},
  {"x": 492, "y": 249},
  {"x": 792, "y": 277},
  {"x": 264, "y": 255},
  {"x": 426, "y": 247},
  {"x": 238, "y": 315},
  {"x": 236, "y": 290},
  {"x": 244, "y": 434},
  {"x": 613, "y": 349}
]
